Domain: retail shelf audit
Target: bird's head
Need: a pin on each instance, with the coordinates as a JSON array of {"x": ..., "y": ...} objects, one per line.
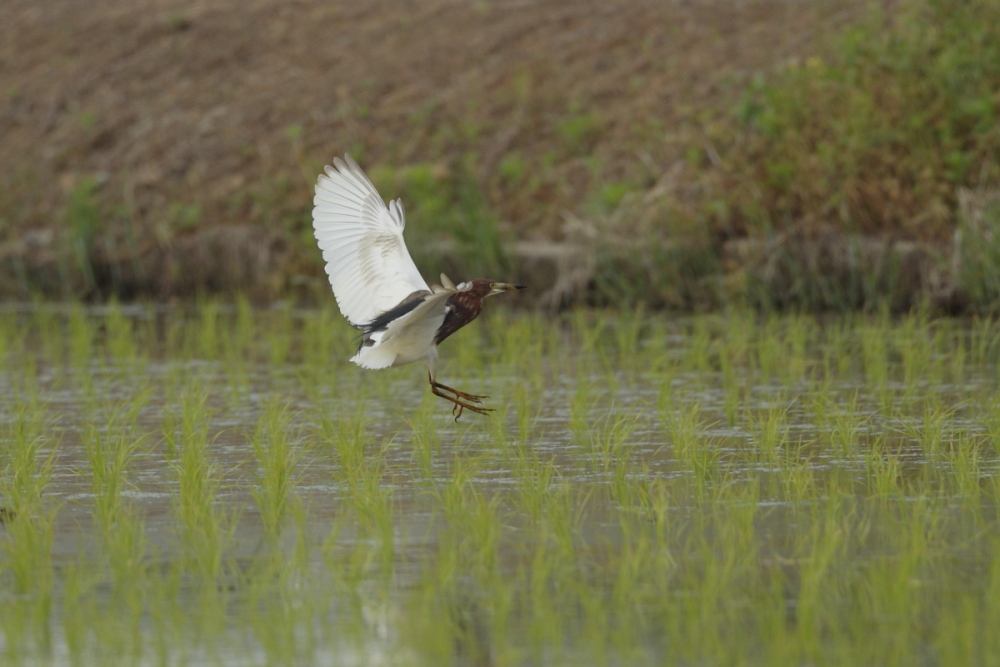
[{"x": 480, "y": 288}]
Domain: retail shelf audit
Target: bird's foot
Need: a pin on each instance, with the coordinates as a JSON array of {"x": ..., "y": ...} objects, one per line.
[
  {"x": 462, "y": 400},
  {"x": 461, "y": 407},
  {"x": 461, "y": 395}
]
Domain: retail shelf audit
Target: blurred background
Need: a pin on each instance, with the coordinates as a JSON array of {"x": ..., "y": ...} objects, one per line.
[{"x": 809, "y": 155}]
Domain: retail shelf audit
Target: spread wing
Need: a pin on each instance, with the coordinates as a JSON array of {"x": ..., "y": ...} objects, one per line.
[{"x": 369, "y": 267}]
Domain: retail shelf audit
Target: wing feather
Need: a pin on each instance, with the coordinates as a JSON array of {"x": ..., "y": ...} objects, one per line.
[{"x": 369, "y": 268}]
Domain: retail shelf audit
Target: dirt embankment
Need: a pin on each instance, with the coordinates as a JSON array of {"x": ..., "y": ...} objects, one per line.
[{"x": 158, "y": 148}]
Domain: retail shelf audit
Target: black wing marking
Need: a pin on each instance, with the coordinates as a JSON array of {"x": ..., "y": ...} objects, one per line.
[{"x": 381, "y": 323}]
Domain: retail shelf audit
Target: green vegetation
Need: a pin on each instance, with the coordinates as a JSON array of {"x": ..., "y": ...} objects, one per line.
[
  {"x": 850, "y": 166},
  {"x": 219, "y": 485},
  {"x": 878, "y": 136},
  {"x": 854, "y": 169}
]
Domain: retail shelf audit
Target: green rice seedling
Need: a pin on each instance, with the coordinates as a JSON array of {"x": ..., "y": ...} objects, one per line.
[
  {"x": 321, "y": 349},
  {"x": 237, "y": 377},
  {"x": 175, "y": 335},
  {"x": 991, "y": 594},
  {"x": 426, "y": 442},
  {"x": 125, "y": 547},
  {"x": 882, "y": 469},
  {"x": 563, "y": 510},
  {"x": 470, "y": 515},
  {"x": 244, "y": 330},
  {"x": 483, "y": 532},
  {"x": 733, "y": 489},
  {"x": 984, "y": 342},
  {"x": 734, "y": 353},
  {"x": 280, "y": 335},
  {"x": 362, "y": 470},
  {"x": 534, "y": 477},
  {"x": 732, "y": 390},
  {"x": 580, "y": 404},
  {"x": 699, "y": 356},
  {"x": 23, "y": 380},
  {"x": 110, "y": 450},
  {"x": 518, "y": 341},
  {"x": 818, "y": 553},
  {"x": 628, "y": 481},
  {"x": 10, "y": 336},
  {"x": 280, "y": 614},
  {"x": 452, "y": 493},
  {"x": 821, "y": 408},
  {"x": 875, "y": 358},
  {"x": 838, "y": 350},
  {"x": 957, "y": 640},
  {"x": 46, "y": 332},
  {"x": 685, "y": 429},
  {"x": 203, "y": 531},
  {"x": 81, "y": 339},
  {"x": 207, "y": 335},
  {"x": 941, "y": 340},
  {"x": 930, "y": 431},
  {"x": 794, "y": 363},
  {"x": 733, "y": 511},
  {"x": 589, "y": 327},
  {"x": 890, "y": 583},
  {"x": 276, "y": 456},
  {"x": 628, "y": 333},
  {"x": 372, "y": 501},
  {"x": 798, "y": 477},
  {"x": 437, "y": 609},
  {"x": 769, "y": 430},
  {"x": 956, "y": 349},
  {"x": 348, "y": 438},
  {"x": 658, "y": 357},
  {"x": 913, "y": 342},
  {"x": 235, "y": 348},
  {"x": 528, "y": 407},
  {"x": 119, "y": 338},
  {"x": 725, "y": 553},
  {"x": 655, "y": 501},
  {"x": 964, "y": 458},
  {"x": 991, "y": 421},
  {"x": 847, "y": 427},
  {"x": 609, "y": 439},
  {"x": 27, "y": 454},
  {"x": 769, "y": 351},
  {"x": 596, "y": 621}
]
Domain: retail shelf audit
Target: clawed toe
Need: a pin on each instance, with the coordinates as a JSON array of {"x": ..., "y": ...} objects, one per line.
[
  {"x": 462, "y": 400},
  {"x": 460, "y": 407},
  {"x": 472, "y": 398}
]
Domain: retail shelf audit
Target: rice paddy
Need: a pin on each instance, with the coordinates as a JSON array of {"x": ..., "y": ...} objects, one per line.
[{"x": 219, "y": 486}]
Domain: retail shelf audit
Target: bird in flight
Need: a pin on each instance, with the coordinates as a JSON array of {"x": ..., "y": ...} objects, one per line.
[{"x": 378, "y": 287}]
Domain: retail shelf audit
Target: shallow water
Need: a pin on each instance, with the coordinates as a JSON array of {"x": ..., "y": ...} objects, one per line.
[{"x": 708, "y": 490}]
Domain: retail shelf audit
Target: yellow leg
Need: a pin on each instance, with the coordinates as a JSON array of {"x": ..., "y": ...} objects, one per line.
[{"x": 462, "y": 400}]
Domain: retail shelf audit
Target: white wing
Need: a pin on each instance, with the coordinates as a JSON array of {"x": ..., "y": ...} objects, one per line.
[{"x": 362, "y": 243}]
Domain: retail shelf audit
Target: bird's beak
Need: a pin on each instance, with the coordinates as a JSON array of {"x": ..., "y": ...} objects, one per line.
[{"x": 500, "y": 288}]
